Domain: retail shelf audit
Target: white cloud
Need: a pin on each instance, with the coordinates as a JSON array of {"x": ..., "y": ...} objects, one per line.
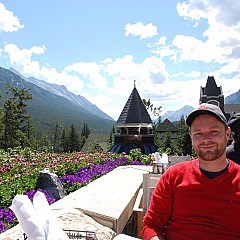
[
  {"x": 176, "y": 95},
  {"x": 229, "y": 86},
  {"x": 21, "y": 60},
  {"x": 143, "y": 31},
  {"x": 107, "y": 60},
  {"x": 192, "y": 49},
  {"x": 223, "y": 18},
  {"x": 8, "y": 22},
  {"x": 224, "y": 12},
  {"x": 155, "y": 69},
  {"x": 90, "y": 71},
  {"x": 22, "y": 56},
  {"x": 125, "y": 67},
  {"x": 230, "y": 9},
  {"x": 103, "y": 101},
  {"x": 231, "y": 67},
  {"x": 71, "y": 82},
  {"x": 194, "y": 10},
  {"x": 166, "y": 51},
  {"x": 107, "y": 103},
  {"x": 162, "y": 40},
  {"x": 193, "y": 74},
  {"x": 219, "y": 43}
]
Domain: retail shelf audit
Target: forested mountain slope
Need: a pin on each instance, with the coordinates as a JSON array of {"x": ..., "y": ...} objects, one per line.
[
  {"x": 47, "y": 108},
  {"x": 61, "y": 90}
]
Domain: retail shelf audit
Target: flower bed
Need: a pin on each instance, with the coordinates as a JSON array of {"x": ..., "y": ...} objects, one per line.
[{"x": 19, "y": 172}]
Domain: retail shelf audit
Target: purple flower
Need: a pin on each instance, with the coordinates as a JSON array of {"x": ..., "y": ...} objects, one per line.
[
  {"x": 84, "y": 175},
  {"x": 48, "y": 197},
  {"x": 7, "y": 215},
  {"x": 3, "y": 227}
]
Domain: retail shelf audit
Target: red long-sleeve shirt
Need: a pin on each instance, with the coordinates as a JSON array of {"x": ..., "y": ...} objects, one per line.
[{"x": 187, "y": 205}]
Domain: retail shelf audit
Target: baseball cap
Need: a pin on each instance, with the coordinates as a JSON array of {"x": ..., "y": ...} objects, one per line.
[
  {"x": 234, "y": 123},
  {"x": 206, "y": 108}
]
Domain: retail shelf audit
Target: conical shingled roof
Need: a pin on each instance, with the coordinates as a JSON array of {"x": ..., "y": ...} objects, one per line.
[{"x": 134, "y": 110}]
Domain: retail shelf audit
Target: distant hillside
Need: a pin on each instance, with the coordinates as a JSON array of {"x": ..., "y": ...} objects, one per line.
[
  {"x": 48, "y": 108},
  {"x": 233, "y": 98},
  {"x": 62, "y": 91}
]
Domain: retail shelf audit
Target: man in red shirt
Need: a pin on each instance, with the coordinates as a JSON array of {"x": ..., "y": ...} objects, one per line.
[{"x": 198, "y": 199}]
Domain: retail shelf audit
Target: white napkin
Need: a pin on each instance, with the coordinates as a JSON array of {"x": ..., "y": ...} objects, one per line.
[
  {"x": 50, "y": 224},
  {"x": 28, "y": 218},
  {"x": 36, "y": 218},
  {"x": 157, "y": 157},
  {"x": 164, "y": 158}
]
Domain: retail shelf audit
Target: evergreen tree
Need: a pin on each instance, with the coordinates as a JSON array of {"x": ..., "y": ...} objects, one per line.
[
  {"x": 64, "y": 143},
  {"x": 187, "y": 145},
  {"x": 29, "y": 128},
  {"x": 167, "y": 145},
  {"x": 1, "y": 126},
  {"x": 184, "y": 143},
  {"x": 73, "y": 140},
  {"x": 44, "y": 141},
  {"x": 85, "y": 131},
  {"x": 56, "y": 137},
  {"x": 16, "y": 120},
  {"x": 111, "y": 140}
]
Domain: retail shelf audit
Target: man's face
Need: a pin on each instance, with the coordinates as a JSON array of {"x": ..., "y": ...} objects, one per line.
[{"x": 209, "y": 137}]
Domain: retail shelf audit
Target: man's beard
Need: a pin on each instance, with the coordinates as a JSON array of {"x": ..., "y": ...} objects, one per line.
[{"x": 214, "y": 153}]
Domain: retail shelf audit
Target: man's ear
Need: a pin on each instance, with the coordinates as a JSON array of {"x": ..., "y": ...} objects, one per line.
[{"x": 228, "y": 133}]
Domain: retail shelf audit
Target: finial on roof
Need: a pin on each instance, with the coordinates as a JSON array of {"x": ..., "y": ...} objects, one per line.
[{"x": 134, "y": 83}]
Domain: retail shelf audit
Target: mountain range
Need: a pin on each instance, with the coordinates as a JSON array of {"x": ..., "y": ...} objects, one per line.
[
  {"x": 51, "y": 103},
  {"x": 174, "y": 116},
  {"x": 233, "y": 98},
  {"x": 61, "y": 90}
]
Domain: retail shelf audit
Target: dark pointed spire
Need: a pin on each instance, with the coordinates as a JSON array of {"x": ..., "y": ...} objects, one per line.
[
  {"x": 134, "y": 110},
  {"x": 211, "y": 88}
]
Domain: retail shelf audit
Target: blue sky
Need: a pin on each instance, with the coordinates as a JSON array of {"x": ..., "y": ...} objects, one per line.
[{"x": 97, "y": 48}]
